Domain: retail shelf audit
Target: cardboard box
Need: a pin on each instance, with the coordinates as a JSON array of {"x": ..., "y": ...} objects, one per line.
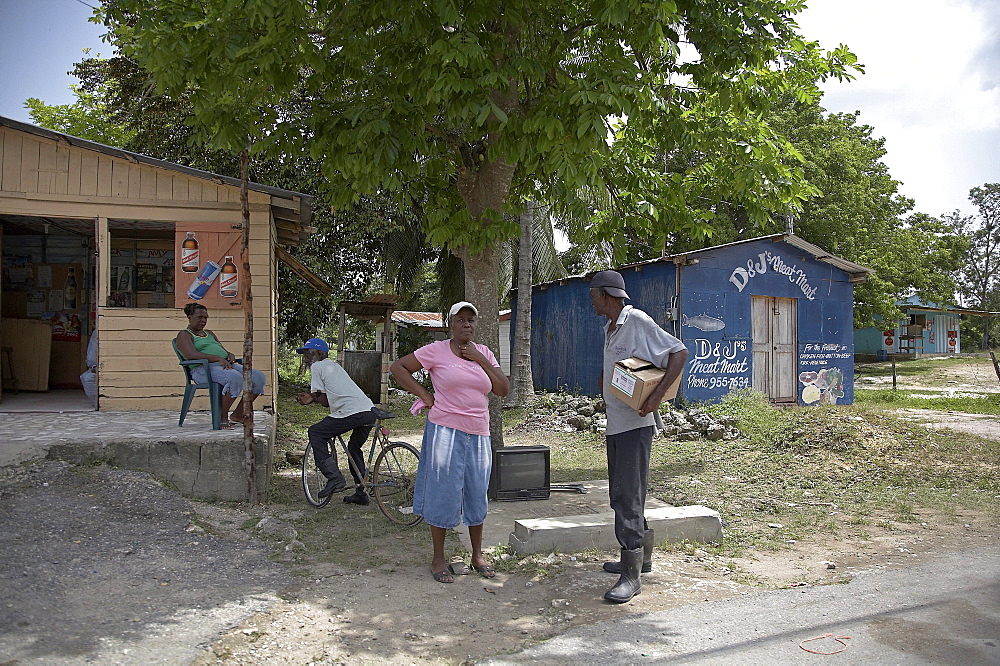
[{"x": 633, "y": 380}]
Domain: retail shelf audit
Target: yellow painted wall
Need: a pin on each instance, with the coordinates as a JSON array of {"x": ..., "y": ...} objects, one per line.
[{"x": 137, "y": 368}]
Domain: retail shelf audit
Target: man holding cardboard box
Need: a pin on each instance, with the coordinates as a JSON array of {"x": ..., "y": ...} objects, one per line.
[{"x": 636, "y": 352}]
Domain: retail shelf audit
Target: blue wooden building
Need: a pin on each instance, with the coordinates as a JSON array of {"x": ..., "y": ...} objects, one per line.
[
  {"x": 774, "y": 313},
  {"x": 925, "y": 329}
]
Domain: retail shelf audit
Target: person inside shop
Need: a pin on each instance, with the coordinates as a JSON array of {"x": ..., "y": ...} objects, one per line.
[
  {"x": 197, "y": 342},
  {"x": 89, "y": 377},
  {"x": 453, "y": 474},
  {"x": 350, "y": 410}
]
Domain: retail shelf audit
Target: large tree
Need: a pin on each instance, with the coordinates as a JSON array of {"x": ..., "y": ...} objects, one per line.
[
  {"x": 486, "y": 104},
  {"x": 116, "y": 104},
  {"x": 979, "y": 275},
  {"x": 855, "y": 211}
]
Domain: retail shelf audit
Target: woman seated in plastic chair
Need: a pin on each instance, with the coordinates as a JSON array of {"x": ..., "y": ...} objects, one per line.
[{"x": 196, "y": 342}]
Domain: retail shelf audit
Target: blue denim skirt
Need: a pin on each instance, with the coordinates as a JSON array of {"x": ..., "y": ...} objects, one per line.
[
  {"x": 453, "y": 477},
  {"x": 231, "y": 378}
]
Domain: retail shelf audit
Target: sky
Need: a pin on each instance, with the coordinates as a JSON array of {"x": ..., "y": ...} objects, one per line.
[{"x": 931, "y": 87}]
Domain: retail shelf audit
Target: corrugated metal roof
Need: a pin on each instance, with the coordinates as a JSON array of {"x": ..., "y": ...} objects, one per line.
[
  {"x": 858, "y": 272},
  {"x": 422, "y": 319},
  {"x": 430, "y": 319}
]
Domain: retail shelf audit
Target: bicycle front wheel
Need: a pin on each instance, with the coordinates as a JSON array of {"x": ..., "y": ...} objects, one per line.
[
  {"x": 313, "y": 480},
  {"x": 393, "y": 481}
]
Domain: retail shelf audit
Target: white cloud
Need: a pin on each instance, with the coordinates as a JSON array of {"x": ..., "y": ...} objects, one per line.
[{"x": 930, "y": 88}]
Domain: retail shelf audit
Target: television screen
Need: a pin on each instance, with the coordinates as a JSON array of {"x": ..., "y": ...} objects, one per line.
[{"x": 520, "y": 473}]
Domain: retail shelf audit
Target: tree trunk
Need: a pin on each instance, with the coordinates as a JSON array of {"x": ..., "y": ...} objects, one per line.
[
  {"x": 523, "y": 382},
  {"x": 483, "y": 189},
  {"x": 247, "y": 297},
  {"x": 481, "y": 290}
]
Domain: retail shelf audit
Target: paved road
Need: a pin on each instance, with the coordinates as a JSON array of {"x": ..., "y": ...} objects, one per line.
[{"x": 943, "y": 612}]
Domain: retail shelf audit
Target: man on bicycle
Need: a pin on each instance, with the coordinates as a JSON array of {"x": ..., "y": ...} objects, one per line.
[{"x": 350, "y": 409}]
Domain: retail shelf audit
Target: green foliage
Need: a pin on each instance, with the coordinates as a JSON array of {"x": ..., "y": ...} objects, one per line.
[
  {"x": 481, "y": 108},
  {"x": 756, "y": 417},
  {"x": 86, "y": 118},
  {"x": 979, "y": 273},
  {"x": 852, "y": 208}
]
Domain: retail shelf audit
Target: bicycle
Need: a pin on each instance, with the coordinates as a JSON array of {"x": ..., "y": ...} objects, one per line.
[{"x": 390, "y": 480}]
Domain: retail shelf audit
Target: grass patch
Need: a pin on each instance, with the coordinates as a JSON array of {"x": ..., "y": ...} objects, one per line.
[
  {"x": 798, "y": 471},
  {"x": 927, "y": 399},
  {"x": 845, "y": 470}
]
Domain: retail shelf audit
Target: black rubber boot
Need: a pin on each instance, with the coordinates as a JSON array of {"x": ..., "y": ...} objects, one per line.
[
  {"x": 628, "y": 584},
  {"x": 647, "y": 556}
]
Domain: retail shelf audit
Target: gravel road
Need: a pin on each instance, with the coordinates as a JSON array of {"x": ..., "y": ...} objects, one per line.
[{"x": 95, "y": 563}]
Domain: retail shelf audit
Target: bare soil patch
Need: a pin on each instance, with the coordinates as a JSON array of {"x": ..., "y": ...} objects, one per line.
[
  {"x": 133, "y": 572},
  {"x": 394, "y": 612}
]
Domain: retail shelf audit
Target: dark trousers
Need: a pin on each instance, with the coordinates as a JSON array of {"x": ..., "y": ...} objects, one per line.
[
  {"x": 628, "y": 471},
  {"x": 321, "y": 434}
]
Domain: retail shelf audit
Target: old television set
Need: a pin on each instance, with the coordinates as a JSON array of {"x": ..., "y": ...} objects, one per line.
[{"x": 520, "y": 473}]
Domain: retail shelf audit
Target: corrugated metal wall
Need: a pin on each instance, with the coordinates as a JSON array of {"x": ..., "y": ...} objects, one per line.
[{"x": 713, "y": 319}]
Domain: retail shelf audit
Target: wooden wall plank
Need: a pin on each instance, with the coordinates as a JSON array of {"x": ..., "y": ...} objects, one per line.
[
  {"x": 105, "y": 176},
  {"x": 147, "y": 182},
  {"x": 181, "y": 186},
  {"x": 29, "y": 165},
  {"x": 89, "y": 166},
  {"x": 134, "y": 181},
  {"x": 46, "y": 166},
  {"x": 119, "y": 178},
  {"x": 60, "y": 174},
  {"x": 4, "y": 136},
  {"x": 74, "y": 175},
  {"x": 164, "y": 184},
  {"x": 209, "y": 191}
]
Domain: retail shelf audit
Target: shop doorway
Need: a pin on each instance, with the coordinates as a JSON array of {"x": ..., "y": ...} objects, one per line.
[
  {"x": 46, "y": 311},
  {"x": 775, "y": 335}
]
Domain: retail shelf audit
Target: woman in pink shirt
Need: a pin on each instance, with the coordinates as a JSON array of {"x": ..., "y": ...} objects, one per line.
[{"x": 455, "y": 458}]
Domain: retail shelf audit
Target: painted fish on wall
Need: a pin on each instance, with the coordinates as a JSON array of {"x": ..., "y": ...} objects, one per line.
[{"x": 703, "y": 322}]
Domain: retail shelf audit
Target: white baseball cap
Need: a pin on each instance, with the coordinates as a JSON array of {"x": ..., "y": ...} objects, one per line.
[{"x": 461, "y": 305}]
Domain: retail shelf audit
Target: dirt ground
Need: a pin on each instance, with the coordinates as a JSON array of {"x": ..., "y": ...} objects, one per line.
[
  {"x": 398, "y": 614},
  {"x": 109, "y": 566}
]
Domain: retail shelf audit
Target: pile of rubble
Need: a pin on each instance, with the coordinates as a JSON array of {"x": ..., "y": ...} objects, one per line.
[{"x": 572, "y": 413}]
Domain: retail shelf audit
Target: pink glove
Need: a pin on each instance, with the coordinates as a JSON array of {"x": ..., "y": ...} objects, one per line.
[{"x": 417, "y": 406}]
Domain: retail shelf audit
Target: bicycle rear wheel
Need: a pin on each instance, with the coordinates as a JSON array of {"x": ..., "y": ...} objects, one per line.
[
  {"x": 393, "y": 480},
  {"x": 313, "y": 480}
]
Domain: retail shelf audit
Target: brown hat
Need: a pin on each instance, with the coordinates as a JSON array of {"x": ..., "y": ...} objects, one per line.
[{"x": 611, "y": 282}]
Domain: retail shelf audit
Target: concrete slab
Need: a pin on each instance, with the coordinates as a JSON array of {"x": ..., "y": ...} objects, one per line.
[
  {"x": 568, "y": 534},
  {"x": 198, "y": 461},
  {"x": 572, "y": 522}
]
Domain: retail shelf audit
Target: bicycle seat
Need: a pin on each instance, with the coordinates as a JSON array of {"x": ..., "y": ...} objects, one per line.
[{"x": 382, "y": 415}]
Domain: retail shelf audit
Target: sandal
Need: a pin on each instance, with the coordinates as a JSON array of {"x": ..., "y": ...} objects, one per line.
[
  {"x": 443, "y": 576},
  {"x": 486, "y": 571},
  {"x": 229, "y": 425}
]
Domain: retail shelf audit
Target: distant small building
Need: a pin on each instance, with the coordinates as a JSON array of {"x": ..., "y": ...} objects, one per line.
[
  {"x": 433, "y": 328},
  {"x": 924, "y": 329},
  {"x": 774, "y": 313}
]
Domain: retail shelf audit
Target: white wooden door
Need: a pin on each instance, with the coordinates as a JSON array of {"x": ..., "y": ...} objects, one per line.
[{"x": 775, "y": 334}]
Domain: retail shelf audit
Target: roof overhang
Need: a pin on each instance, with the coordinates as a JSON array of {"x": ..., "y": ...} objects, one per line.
[{"x": 292, "y": 211}]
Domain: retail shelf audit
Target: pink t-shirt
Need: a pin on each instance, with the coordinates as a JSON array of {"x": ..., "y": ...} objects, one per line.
[{"x": 460, "y": 387}]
